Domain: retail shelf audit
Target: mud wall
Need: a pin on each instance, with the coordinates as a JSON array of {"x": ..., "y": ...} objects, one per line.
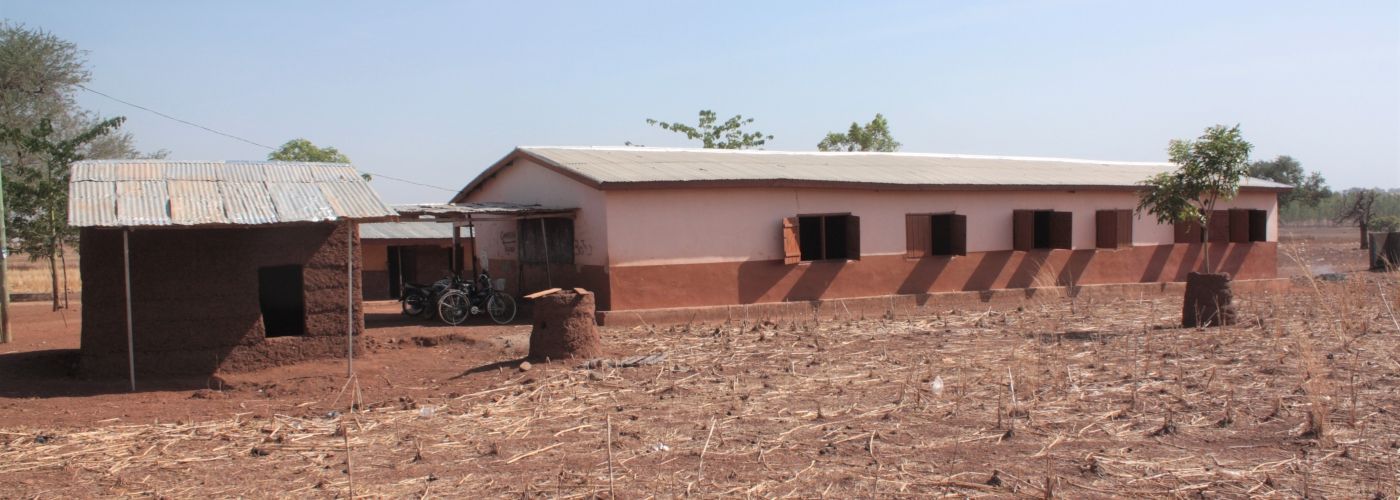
[
  {"x": 195, "y": 306},
  {"x": 767, "y": 281}
]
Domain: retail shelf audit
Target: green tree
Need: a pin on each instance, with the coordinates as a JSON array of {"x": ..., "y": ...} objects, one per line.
[
  {"x": 727, "y": 135},
  {"x": 38, "y": 218},
  {"x": 1208, "y": 171},
  {"x": 303, "y": 150},
  {"x": 874, "y": 136},
  {"x": 1308, "y": 188},
  {"x": 42, "y": 130}
]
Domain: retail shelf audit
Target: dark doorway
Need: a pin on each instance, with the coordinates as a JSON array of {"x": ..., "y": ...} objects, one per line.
[
  {"x": 395, "y": 273},
  {"x": 282, "y": 302}
]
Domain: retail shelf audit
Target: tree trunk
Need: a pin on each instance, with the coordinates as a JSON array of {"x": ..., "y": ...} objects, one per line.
[
  {"x": 53, "y": 279},
  {"x": 63, "y": 262},
  {"x": 1365, "y": 222}
]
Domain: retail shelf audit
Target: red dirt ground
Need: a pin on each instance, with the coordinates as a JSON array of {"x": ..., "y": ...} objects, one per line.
[{"x": 809, "y": 410}]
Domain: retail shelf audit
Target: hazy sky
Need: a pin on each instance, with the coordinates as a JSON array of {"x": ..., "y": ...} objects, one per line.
[{"x": 437, "y": 91}]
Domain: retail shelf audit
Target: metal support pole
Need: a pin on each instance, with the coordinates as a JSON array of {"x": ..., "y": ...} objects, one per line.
[
  {"x": 544, "y": 236},
  {"x": 475, "y": 272},
  {"x": 349, "y": 299},
  {"x": 130, "y": 344}
]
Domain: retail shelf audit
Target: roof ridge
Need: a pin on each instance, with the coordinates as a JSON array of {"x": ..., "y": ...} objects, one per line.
[{"x": 850, "y": 153}]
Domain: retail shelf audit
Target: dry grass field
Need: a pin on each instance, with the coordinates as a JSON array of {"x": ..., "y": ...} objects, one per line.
[{"x": 1054, "y": 397}]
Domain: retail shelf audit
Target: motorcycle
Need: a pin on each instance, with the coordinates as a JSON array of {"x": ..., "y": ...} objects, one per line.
[
  {"x": 418, "y": 299},
  {"x": 461, "y": 300}
]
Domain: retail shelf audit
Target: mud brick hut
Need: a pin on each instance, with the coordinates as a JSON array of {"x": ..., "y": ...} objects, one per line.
[
  {"x": 395, "y": 253},
  {"x": 680, "y": 229},
  {"x": 233, "y": 265}
]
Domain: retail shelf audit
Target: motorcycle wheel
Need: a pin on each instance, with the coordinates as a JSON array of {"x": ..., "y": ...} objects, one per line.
[
  {"x": 501, "y": 307},
  {"x": 413, "y": 305},
  {"x": 454, "y": 307}
]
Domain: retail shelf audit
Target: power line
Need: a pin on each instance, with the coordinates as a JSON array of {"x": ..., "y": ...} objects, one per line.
[
  {"x": 163, "y": 115},
  {"x": 231, "y": 136}
]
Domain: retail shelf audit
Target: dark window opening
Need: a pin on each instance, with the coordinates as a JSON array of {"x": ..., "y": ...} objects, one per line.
[
  {"x": 948, "y": 234},
  {"x": 828, "y": 237},
  {"x": 1041, "y": 229},
  {"x": 555, "y": 233},
  {"x": 1248, "y": 226},
  {"x": 282, "y": 302}
]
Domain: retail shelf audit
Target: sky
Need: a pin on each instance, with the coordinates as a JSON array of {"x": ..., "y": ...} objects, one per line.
[{"x": 434, "y": 92}]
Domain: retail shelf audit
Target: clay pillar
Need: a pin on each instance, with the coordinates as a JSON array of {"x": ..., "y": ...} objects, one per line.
[
  {"x": 564, "y": 326},
  {"x": 1209, "y": 300}
]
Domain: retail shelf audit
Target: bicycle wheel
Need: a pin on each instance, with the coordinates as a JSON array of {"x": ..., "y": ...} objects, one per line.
[
  {"x": 501, "y": 307},
  {"x": 454, "y": 307}
]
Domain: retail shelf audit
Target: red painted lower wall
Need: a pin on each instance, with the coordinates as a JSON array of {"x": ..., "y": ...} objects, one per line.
[{"x": 751, "y": 282}]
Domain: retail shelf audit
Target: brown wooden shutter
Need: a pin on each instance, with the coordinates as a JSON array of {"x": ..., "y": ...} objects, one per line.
[
  {"x": 852, "y": 237},
  {"x": 1125, "y": 228},
  {"x": 959, "y": 233},
  {"x": 918, "y": 238},
  {"x": 1258, "y": 225},
  {"x": 1239, "y": 225},
  {"x": 1188, "y": 232},
  {"x": 1061, "y": 230},
  {"x": 792, "y": 248},
  {"x": 1219, "y": 230},
  {"x": 1022, "y": 229},
  {"x": 1106, "y": 229}
]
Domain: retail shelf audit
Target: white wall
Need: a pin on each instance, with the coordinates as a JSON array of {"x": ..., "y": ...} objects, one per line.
[
  {"x": 697, "y": 225},
  {"x": 528, "y": 182}
]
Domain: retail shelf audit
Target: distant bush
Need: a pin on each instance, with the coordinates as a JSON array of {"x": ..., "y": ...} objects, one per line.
[
  {"x": 1388, "y": 203},
  {"x": 1384, "y": 224}
]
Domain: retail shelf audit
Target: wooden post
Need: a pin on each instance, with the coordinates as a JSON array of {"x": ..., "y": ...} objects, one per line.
[
  {"x": 456, "y": 249},
  {"x": 349, "y": 299},
  {"x": 130, "y": 344},
  {"x": 4, "y": 258},
  {"x": 544, "y": 237}
]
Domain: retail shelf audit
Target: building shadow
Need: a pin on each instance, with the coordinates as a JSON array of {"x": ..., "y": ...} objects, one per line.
[
  {"x": 921, "y": 278},
  {"x": 1156, "y": 263},
  {"x": 815, "y": 280},
  {"x": 758, "y": 277},
  {"x": 55, "y": 373},
  {"x": 984, "y": 277}
]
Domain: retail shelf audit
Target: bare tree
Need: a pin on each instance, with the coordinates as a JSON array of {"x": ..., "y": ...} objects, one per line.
[{"x": 1358, "y": 206}]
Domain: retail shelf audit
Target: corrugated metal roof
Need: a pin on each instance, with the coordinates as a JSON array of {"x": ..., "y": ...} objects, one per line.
[
  {"x": 133, "y": 193},
  {"x": 621, "y": 167},
  {"x": 411, "y": 230}
]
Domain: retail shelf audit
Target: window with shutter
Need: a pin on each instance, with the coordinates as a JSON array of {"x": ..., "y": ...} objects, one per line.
[
  {"x": 1022, "y": 229},
  {"x": 1061, "y": 230},
  {"x": 1125, "y": 228},
  {"x": 1239, "y": 225},
  {"x": 1113, "y": 228},
  {"x": 821, "y": 237},
  {"x": 1219, "y": 231},
  {"x": 1188, "y": 232},
  {"x": 792, "y": 250},
  {"x": 917, "y": 235}
]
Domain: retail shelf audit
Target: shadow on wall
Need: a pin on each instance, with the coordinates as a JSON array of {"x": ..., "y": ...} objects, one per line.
[
  {"x": 921, "y": 279},
  {"x": 816, "y": 279},
  {"x": 758, "y": 277}
]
